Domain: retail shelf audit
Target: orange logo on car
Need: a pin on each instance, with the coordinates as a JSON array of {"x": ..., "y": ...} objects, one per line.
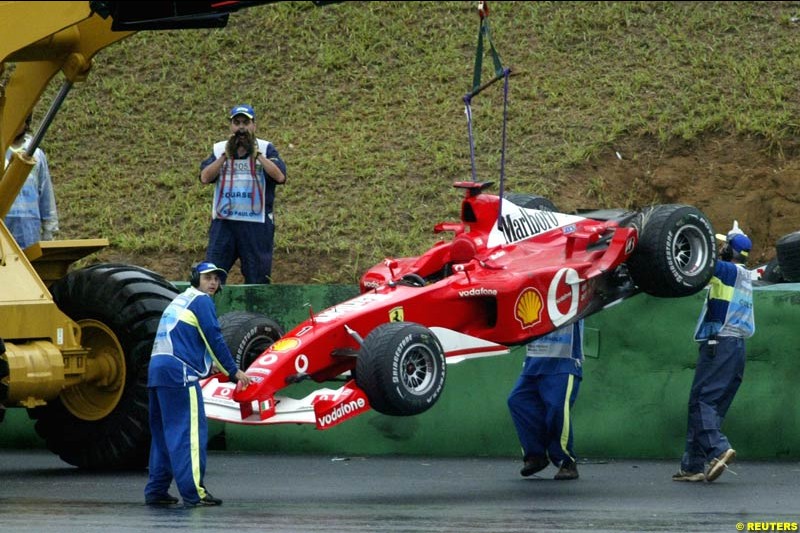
[
  {"x": 529, "y": 307},
  {"x": 284, "y": 345}
]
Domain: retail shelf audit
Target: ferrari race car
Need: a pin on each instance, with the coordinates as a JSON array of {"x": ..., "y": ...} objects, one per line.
[{"x": 515, "y": 269}]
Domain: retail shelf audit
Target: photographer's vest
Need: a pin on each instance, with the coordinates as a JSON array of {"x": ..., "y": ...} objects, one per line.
[{"x": 239, "y": 193}]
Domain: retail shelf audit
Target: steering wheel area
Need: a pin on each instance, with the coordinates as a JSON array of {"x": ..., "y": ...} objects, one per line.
[{"x": 413, "y": 280}]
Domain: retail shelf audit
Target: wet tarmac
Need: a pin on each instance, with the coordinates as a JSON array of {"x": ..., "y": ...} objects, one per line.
[{"x": 39, "y": 493}]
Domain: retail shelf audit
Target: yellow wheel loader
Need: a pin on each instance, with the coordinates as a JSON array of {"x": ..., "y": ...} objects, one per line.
[{"x": 75, "y": 345}]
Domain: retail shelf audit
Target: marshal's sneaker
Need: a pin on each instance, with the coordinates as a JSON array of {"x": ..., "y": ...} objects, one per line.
[
  {"x": 161, "y": 499},
  {"x": 207, "y": 501},
  {"x": 568, "y": 470},
  {"x": 682, "y": 475},
  {"x": 718, "y": 465},
  {"x": 533, "y": 464}
]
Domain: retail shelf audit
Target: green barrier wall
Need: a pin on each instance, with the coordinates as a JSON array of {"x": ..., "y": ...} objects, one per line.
[{"x": 632, "y": 402}]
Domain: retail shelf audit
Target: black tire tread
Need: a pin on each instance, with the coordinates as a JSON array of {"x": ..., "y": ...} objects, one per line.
[
  {"x": 130, "y": 301},
  {"x": 373, "y": 368},
  {"x": 788, "y": 252},
  {"x": 773, "y": 272},
  {"x": 650, "y": 268},
  {"x": 236, "y": 324}
]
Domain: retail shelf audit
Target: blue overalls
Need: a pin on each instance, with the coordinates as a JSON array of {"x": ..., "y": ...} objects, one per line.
[
  {"x": 188, "y": 342},
  {"x": 541, "y": 400},
  {"x": 725, "y": 321}
]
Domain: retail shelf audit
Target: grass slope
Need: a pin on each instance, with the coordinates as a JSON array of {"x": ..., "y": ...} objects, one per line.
[{"x": 363, "y": 100}]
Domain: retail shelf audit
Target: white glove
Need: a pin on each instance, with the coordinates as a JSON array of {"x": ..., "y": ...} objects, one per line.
[{"x": 734, "y": 230}]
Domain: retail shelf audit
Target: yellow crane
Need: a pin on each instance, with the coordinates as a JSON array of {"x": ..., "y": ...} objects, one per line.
[{"x": 74, "y": 346}]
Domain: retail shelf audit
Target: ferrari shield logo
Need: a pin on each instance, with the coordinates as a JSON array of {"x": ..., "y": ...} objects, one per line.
[{"x": 396, "y": 314}]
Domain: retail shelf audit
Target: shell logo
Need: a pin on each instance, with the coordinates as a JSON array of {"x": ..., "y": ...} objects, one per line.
[
  {"x": 528, "y": 309},
  {"x": 284, "y": 345}
]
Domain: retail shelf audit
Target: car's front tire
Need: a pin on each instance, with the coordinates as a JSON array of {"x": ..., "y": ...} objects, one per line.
[
  {"x": 247, "y": 335},
  {"x": 401, "y": 368}
]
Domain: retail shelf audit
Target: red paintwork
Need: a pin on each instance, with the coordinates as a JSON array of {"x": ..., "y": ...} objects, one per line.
[{"x": 505, "y": 288}]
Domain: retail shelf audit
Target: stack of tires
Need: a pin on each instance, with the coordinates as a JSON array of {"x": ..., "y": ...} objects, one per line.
[{"x": 785, "y": 267}]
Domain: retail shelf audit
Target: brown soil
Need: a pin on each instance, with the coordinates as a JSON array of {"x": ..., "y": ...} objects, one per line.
[{"x": 727, "y": 178}]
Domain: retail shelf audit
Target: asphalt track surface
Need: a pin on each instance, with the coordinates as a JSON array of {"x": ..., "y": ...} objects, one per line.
[{"x": 39, "y": 493}]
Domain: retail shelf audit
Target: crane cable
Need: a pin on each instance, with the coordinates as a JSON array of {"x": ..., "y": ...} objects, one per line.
[{"x": 499, "y": 73}]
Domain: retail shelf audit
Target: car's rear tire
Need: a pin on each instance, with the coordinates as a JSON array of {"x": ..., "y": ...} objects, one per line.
[
  {"x": 529, "y": 201},
  {"x": 401, "y": 367},
  {"x": 120, "y": 306},
  {"x": 248, "y": 334},
  {"x": 788, "y": 250},
  {"x": 676, "y": 254}
]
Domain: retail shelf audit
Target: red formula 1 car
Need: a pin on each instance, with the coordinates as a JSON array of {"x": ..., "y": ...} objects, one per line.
[{"x": 515, "y": 269}]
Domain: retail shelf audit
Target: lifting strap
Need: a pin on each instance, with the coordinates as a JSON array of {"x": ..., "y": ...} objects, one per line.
[
  {"x": 500, "y": 73},
  {"x": 483, "y": 29}
]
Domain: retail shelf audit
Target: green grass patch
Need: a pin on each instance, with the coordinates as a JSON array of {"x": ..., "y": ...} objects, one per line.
[{"x": 363, "y": 101}]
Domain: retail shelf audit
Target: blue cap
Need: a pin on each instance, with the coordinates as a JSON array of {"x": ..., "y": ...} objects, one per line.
[
  {"x": 243, "y": 109},
  {"x": 741, "y": 244},
  {"x": 205, "y": 267}
]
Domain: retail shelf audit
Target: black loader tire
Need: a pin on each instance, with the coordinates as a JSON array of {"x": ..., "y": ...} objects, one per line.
[
  {"x": 676, "y": 254},
  {"x": 529, "y": 201},
  {"x": 773, "y": 272},
  {"x": 401, "y": 367},
  {"x": 247, "y": 335},
  {"x": 129, "y": 300},
  {"x": 788, "y": 249}
]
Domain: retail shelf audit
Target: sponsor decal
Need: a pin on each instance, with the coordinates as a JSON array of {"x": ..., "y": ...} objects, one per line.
[
  {"x": 397, "y": 314},
  {"x": 332, "y": 313},
  {"x": 523, "y": 223},
  {"x": 528, "y": 309},
  {"x": 371, "y": 284},
  {"x": 265, "y": 360},
  {"x": 398, "y": 357},
  {"x": 224, "y": 393},
  {"x": 285, "y": 344},
  {"x": 258, "y": 370},
  {"x": 569, "y": 229},
  {"x": 332, "y": 409},
  {"x": 564, "y": 287},
  {"x": 303, "y": 331},
  {"x": 497, "y": 255},
  {"x": 477, "y": 291},
  {"x": 301, "y": 363},
  {"x": 342, "y": 412},
  {"x": 629, "y": 244}
]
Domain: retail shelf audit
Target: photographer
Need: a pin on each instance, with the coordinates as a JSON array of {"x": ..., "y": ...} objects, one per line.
[{"x": 245, "y": 171}]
